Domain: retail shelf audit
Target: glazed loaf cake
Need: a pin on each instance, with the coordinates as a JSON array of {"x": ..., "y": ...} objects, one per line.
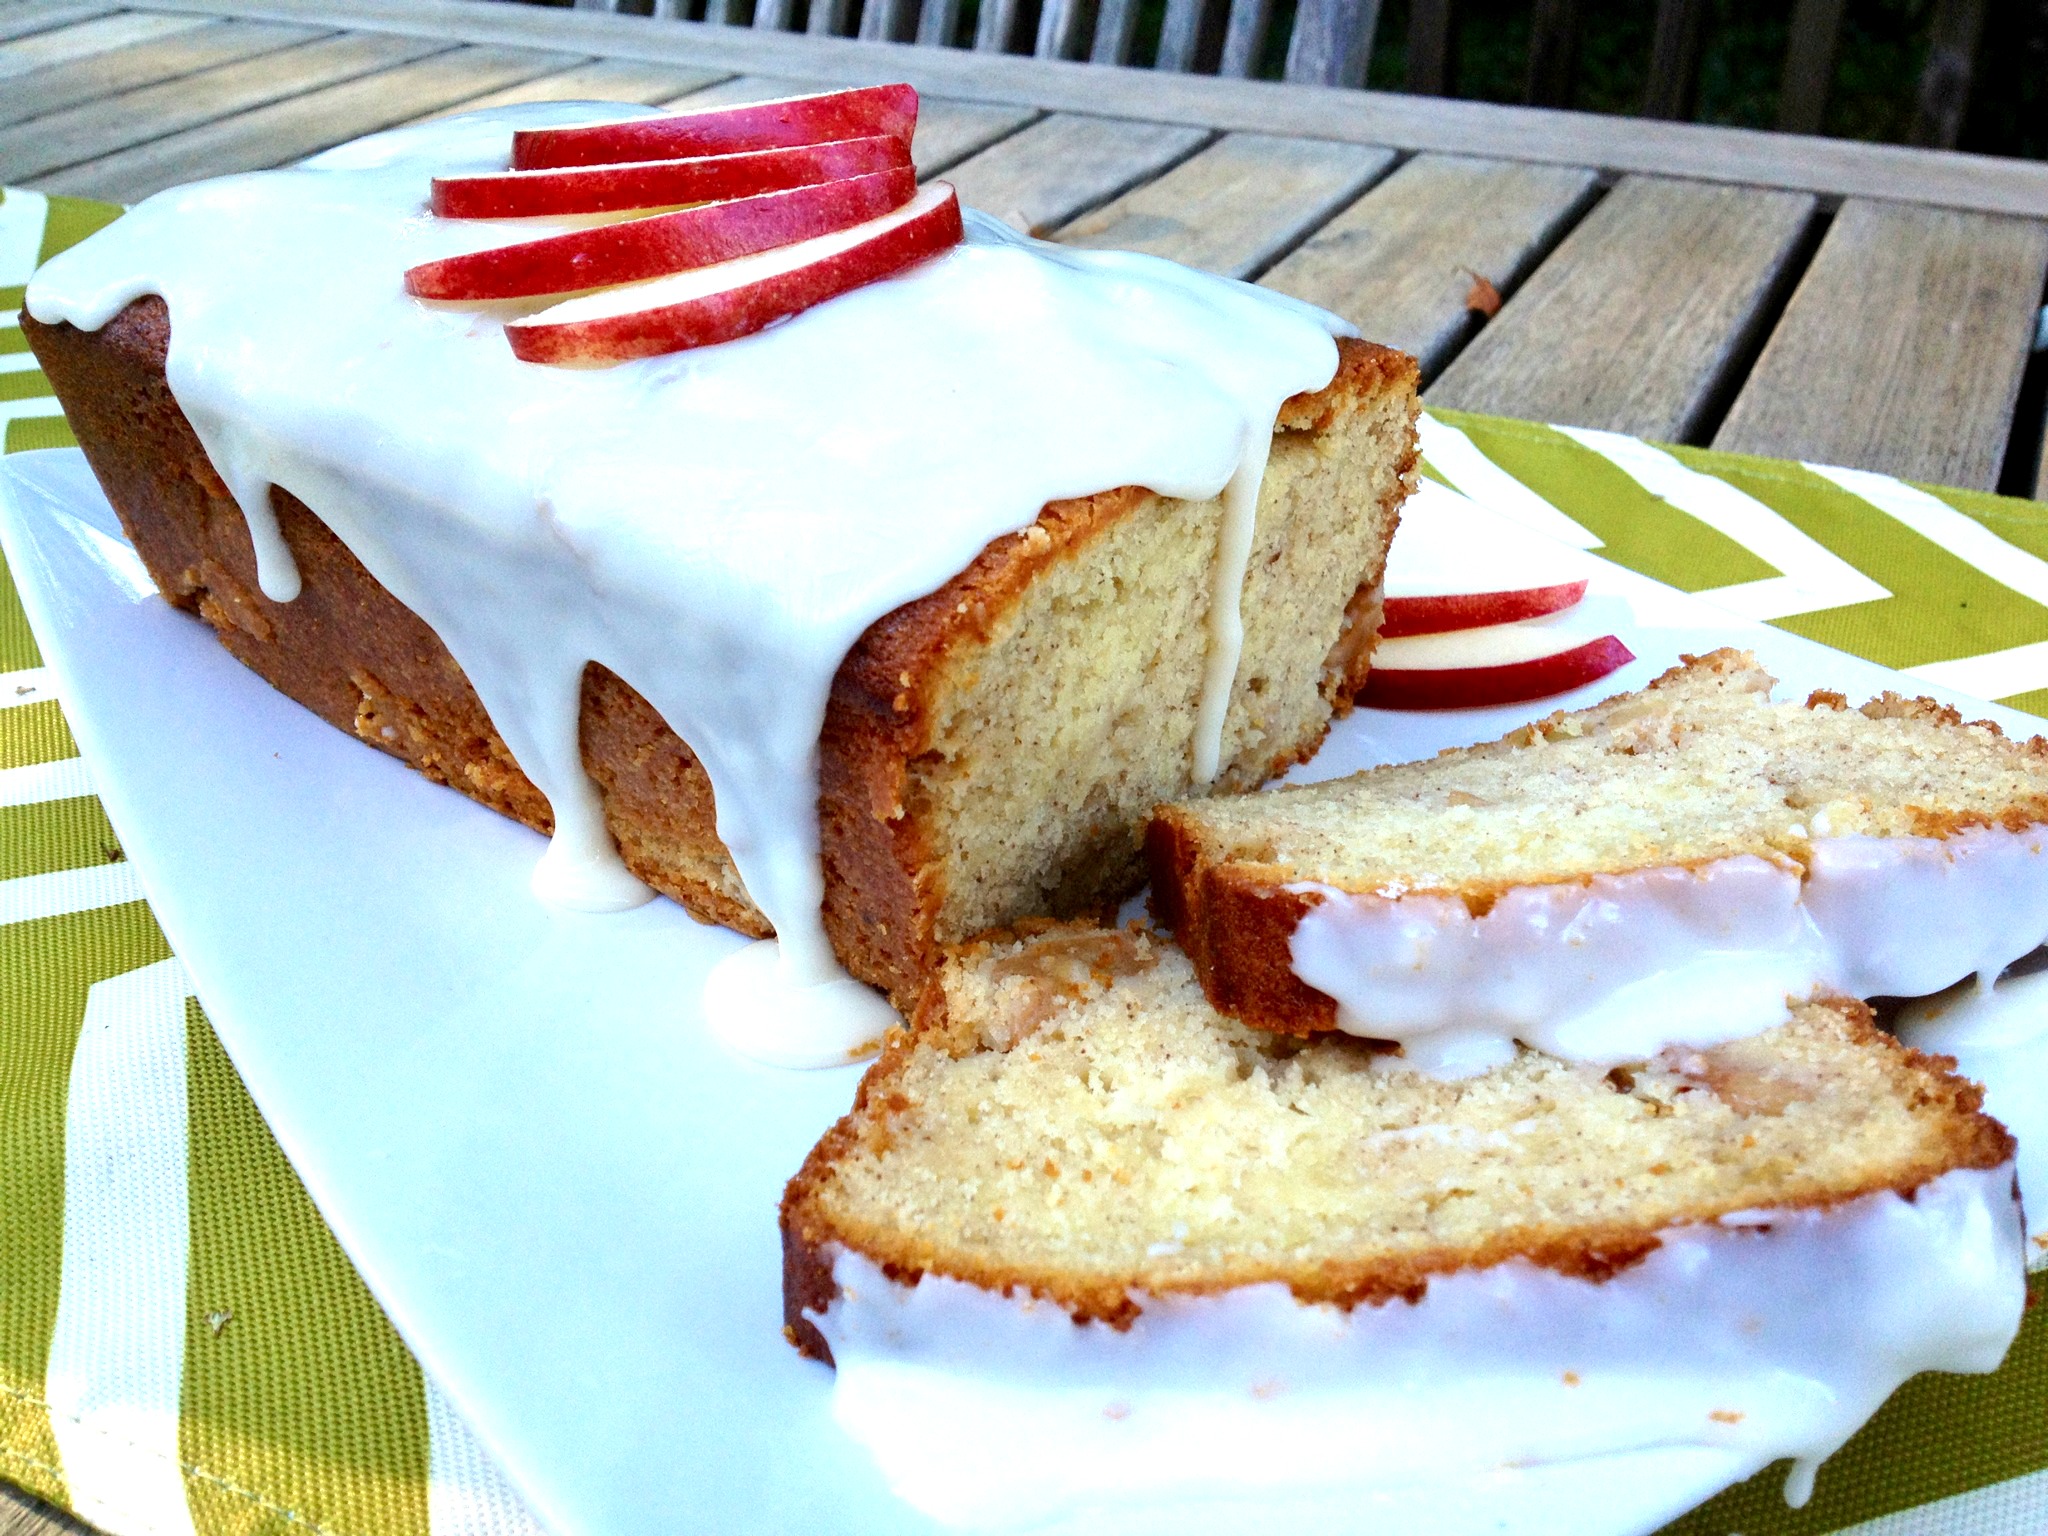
[
  {"x": 1068, "y": 1118},
  {"x": 1699, "y": 777},
  {"x": 989, "y": 752}
]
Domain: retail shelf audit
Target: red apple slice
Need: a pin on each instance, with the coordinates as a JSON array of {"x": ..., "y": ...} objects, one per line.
[
  {"x": 665, "y": 243},
  {"x": 874, "y": 109},
  {"x": 659, "y": 183},
  {"x": 1501, "y": 664},
  {"x": 1441, "y": 611},
  {"x": 736, "y": 298}
]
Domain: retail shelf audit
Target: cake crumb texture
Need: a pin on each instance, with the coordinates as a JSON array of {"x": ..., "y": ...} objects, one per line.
[
  {"x": 1069, "y": 1116},
  {"x": 1698, "y": 766}
]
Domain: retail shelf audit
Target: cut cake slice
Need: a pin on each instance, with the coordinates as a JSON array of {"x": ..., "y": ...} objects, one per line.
[
  {"x": 1681, "y": 859},
  {"x": 1298, "y": 1235}
]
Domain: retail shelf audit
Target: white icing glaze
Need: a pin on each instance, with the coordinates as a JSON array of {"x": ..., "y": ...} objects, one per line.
[
  {"x": 718, "y": 526},
  {"x": 822, "y": 1024},
  {"x": 1621, "y": 966},
  {"x": 1226, "y": 613},
  {"x": 1999, "y": 1037},
  {"x": 1770, "y": 1334}
]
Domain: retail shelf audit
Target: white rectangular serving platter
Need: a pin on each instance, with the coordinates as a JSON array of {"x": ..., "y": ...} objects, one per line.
[{"x": 559, "y": 1185}]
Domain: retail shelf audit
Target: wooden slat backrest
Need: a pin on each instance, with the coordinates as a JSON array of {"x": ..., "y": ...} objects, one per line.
[
  {"x": 1329, "y": 42},
  {"x": 1116, "y": 32},
  {"x": 1957, "y": 28},
  {"x": 1675, "y": 48},
  {"x": 1180, "y": 35},
  {"x": 1814, "y": 39},
  {"x": 1432, "y": 52},
  {"x": 1553, "y": 52}
]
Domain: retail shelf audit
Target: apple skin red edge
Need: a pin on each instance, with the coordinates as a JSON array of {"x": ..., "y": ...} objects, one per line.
[
  {"x": 729, "y": 313},
  {"x": 659, "y": 183},
  {"x": 1440, "y": 614},
  {"x": 1479, "y": 687},
  {"x": 663, "y": 243},
  {"x": 878, "y": 109}
]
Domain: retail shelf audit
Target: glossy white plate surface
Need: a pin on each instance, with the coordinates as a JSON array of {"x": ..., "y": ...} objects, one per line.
[{"x": 559, "y": 1185}]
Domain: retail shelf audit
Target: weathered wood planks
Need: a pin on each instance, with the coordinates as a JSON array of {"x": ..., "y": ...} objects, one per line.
[
  {"x": 58, "y": 86},
  {"x": 1235, "y": 206},
  {"x": 42, "y": 48},
  {"x": 21, "y": 1515},
  {"x": 21, "y": 19},
  {"x": 300, "y": 125},
  {"x": 147, "y": 118},
  {"x": 1400, "y": 262},
  {"x": 1058, "y": 169},
  {"x": 1902, "y": 348},
  {"x": 599, "y": 80},
  {"x": 1637, "y": 318}
]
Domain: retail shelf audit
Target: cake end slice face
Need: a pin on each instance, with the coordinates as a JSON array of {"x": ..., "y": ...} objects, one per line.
[
  {"x": 1036, "y": 708},
  {"x": 1667, "y": 867},
  {"x": 1083, "y": 1240}
]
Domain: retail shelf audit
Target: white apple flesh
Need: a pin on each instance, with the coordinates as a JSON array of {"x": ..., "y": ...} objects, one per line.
[
  {"x": 889, "y": 110},
  {"x": 1455, "y": 565},
  {"x": 662, "y": 183},
  {"x": 1499, "y": 664},
  {"x": 713, "y": 304},
  {"x": 664, "y": 243}
]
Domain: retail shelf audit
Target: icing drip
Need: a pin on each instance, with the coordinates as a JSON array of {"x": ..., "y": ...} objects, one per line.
[
  {"x": 1765, "y": 1335},
  {"x": 1619, "y": 967},
  {"x": 1999, "y": 1037},
  {"x": 1226, "y": 600},
  {"x": 717, "y": 527}
]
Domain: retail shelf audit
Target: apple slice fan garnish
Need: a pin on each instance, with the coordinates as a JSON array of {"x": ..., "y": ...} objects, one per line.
[
  {"x": 1479, "y": 612},
  {"x": 736, "y": 298},
  {"x": 784, "y": 204}
]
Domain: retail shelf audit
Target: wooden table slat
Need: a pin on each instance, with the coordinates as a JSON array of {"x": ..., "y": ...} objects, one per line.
[
  {"x": 1399, "y": 262},
  {"x": 144, "y": 123},
  {"x": 1902, "y": 348},
  {"x": 58, "y": 86},
  {"x": 1633, "y": 323},
  {"x": 304, "y": 124},
  {"x": 1059, "y": 168},
  {"x": 24, "y": 19},
  {"x": 947, "y": 131},
  {"x": 21, "y": 1515},
  {"x": 1237, "y": 205},
  {"x": 600, "y": 80},
  {"x": 86, "y": 38}
]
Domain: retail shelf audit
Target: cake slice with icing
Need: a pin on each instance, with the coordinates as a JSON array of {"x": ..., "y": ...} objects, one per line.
[
  {"x": 1667, "y": 867},
  {"x": 1085, "y": 1240},
  {"x": 881, "y": 626}
]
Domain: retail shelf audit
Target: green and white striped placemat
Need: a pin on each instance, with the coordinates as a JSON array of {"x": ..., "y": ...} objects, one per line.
[{"x": 185, "y": 1350}]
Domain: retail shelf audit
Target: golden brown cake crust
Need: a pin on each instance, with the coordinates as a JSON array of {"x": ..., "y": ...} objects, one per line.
[
  {"x": 349, "y": 651},
  {"x": 1236, "y": 916},
  {"x": 1959, "y": 1136}
]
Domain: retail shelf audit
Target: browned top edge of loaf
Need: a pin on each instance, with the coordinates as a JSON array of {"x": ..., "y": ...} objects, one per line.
[
  {"x": 1236, "y": 918},
  {"x": 1969, "y": 1139},
  {"x": 882, "y": 894}
]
